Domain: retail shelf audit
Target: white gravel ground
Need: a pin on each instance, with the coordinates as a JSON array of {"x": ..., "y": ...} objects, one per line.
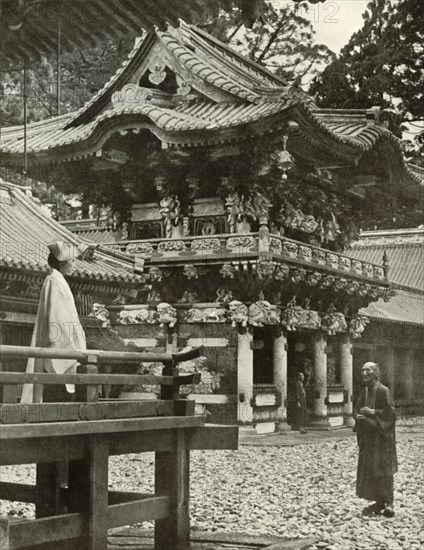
[{"x": 288, "y": 491}]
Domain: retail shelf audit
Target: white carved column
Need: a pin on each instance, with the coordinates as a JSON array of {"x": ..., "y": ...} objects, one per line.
[
  {"x": 245, "y": 377},
  {"x": 320, "y": 379},
  {"x": 280, "y": 378},
  {"x": 346, "y": 375}
]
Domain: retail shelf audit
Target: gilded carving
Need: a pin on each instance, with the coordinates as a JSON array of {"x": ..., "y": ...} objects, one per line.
[
  {"x": 333, "y": 321},
  {"x": 357, "y": 325},
  {"x": 368, "y": 269},
  {"x": 305, "y": 252},
  {"x": 206, "y": 315},
  {"x": 100, "y": 312},
  {"x": 297, "y": 274},
  {"x": 238, "y": 313},
  {"x": 224, "y": 295},
  {"x": 282, "y": 271},
  {"x": 240, "y": 243},
  {"x": 139, "y": 248},
  {"x": 189, "y": 297},
  {"x": 170, "y": 210},
  {"x": 319, "y": 255},
  {"x": 263, "y": 313},
  {"x": 313, "y": 278},
  {"x": 289, "y": 248},
  {"x": 171, "y": 246},
  {"x": 378, "y": 272},
  {"x": 327, "y": 281},
  {"x": 167, "y": 315},
  {"x": 265, "y": 268},
  {"x": 356, "y": 265},
  {"x": 332, "y": 259},
  {"x": 155, "y": 274},
  {"x": 191, "y": 271},
  {"x": 130, "y": 94},
  {"x": 137, "y": 316},
  {"x": 294, "y": 316},
  {"x": 345, "y": 263},
  {"x": 291, "y": 315},
  {"x": 228, "y": 270},
  {"x": 275, "y": 244},
  {"x": 157, "y": 71},
  {"x": 340, "y": 284},
  {"x": 206, "y": 244}
]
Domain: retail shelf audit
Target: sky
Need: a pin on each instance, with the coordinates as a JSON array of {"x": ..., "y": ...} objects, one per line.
[{"x": 336, "y": 20}]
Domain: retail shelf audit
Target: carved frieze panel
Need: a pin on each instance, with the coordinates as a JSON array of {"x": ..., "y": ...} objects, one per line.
[
  {"x": 139, "y": 248},
  {"x": 290, "y": 249},
  {"x": 142, "y": 315},
  {"x": 263, "y": 313},
  {"x": 240, "y": 244},
  {"x": 206, "y": 244},
  {"x": 205, "y": 315},
  {"x": 171, "y": 246},
  {"x": 295, "y": 317}
]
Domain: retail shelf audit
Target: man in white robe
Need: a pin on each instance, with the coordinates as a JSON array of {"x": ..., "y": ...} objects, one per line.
[{"x": 57, "y": 324}]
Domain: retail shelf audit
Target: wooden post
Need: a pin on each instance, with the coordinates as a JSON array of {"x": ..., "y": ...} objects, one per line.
[
  {"x": 50, "y": 477},
  {"x": 88, "y": 492},
  {"x": 172, "y": 471},
  {"x": 87, "y": 394},
  {"x": 4, "y": 533}
]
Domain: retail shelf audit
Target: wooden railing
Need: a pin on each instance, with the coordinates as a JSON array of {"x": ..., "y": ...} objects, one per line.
[{"x": 71, "y": 443}]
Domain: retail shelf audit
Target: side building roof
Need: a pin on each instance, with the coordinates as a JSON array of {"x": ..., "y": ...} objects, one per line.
[
  {"x": 26, "y": 230},
  {"x": 404, "y": 250}
]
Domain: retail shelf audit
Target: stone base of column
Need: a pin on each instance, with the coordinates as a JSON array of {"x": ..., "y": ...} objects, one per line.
[
  {"x": 319, "y": 424},
  {"x": 282, "y": 427},
  {"x": 349, "y": 421}
]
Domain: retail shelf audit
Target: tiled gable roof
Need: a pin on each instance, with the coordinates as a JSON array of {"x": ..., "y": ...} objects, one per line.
[
  {"x": 26, "y": 230},
  {"x": 404, "y": 250}
]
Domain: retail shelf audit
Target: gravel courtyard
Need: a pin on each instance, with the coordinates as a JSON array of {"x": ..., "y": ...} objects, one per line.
[{"x": 300, "y": 491}]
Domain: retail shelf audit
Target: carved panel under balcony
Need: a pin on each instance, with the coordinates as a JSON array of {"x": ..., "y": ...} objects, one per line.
[{"x": 147, "y": 230}]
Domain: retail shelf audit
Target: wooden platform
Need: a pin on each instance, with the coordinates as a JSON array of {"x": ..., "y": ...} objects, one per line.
[
  {"x": 133, "y": 538},
  {"x": 71, "y": 442}
]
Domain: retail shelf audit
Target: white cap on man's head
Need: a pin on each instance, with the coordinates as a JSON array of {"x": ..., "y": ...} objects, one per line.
[{"x": 66, "y": 251}]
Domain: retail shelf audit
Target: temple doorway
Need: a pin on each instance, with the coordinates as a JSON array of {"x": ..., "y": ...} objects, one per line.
[
  {"x": 263, "y": 341},
  {"x": 299, "y": 359}
]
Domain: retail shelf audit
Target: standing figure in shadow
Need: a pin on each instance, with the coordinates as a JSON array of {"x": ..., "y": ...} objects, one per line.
[
  {"x": 300, "y": 403},
  {"x": 375, "y": 428}
]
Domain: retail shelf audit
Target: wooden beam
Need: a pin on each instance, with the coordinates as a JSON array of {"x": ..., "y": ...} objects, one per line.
[
  {"x": 145, "y": 509},
  {"x": 20, "y": 492},
  {"x": 56, "y": 429},
  {"x": 82, "y": 411},
  {"x": 42, "y": 531},
  {"x": 213, "y": 436},
  {"x": 90, "y": 379}
]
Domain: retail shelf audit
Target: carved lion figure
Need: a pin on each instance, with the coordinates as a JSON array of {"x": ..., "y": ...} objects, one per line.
[
  {"x": 238, "y": 313},
  {"x": 167, "y": 315}
]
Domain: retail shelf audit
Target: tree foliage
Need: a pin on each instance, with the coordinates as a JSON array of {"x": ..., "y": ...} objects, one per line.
[{"x": 382, "y": 64}]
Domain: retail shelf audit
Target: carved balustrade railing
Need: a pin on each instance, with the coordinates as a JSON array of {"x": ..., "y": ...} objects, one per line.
[{"x": 249, "y": 245}]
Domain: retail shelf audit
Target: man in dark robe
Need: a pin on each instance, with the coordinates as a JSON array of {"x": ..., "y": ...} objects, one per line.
[
  {"x": 300, "y": 403},
  {"x": 375, "y": 427}
]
